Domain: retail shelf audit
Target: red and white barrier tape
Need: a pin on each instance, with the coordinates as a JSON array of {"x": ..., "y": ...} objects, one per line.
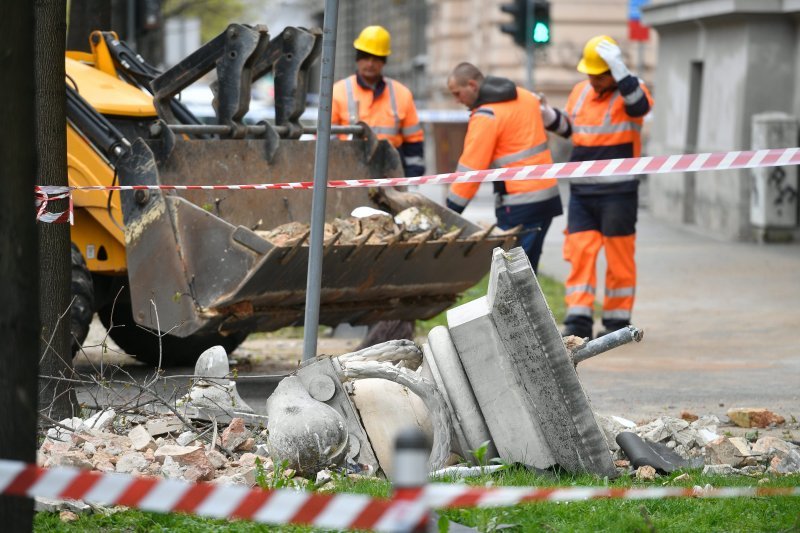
[
  {"x": 43, "y": 194},
  {"x": 440, "y": 495},
  {"x": 338, "y": 511},
  {"x": 335, "y": 511},
  {"x": 579, "y": 169}
]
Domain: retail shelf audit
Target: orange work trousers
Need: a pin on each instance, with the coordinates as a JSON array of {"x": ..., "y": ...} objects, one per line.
[{"x": 600, "y": 221}]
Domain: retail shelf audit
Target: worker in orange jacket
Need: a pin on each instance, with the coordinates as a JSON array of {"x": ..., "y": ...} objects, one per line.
[
  {"x": 387, "y": 107},
  {"x": 604, "y": 117},
  {"x": 384, "y": 104},
  {"x": 505, "y": 130}
]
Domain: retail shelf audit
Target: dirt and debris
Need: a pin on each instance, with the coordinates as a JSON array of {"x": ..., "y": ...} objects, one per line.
[
  {"x": 407, "y": 225},
  {"x": 706, "y": 442},
  {"x": 163, "y": 448}
]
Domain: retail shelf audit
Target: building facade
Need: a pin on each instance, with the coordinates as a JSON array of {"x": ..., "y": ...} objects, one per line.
[{"x": 720, "y": 64}]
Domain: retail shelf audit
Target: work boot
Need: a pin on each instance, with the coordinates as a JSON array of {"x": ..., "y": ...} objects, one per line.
[
  {"x": 580, "y": 326},
  {"x": 583, "y": 333}
]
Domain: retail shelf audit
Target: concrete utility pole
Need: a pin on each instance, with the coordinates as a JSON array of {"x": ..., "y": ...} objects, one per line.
[
  {"x": 19, "y": 307},
  {"x": 314, "y": 283}
]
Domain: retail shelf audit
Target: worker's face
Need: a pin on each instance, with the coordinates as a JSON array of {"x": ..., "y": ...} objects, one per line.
[
  {"x": 370, "y": 68},
  {"x": 602, "y": 83},
  {"x": 465, "y": 94}
]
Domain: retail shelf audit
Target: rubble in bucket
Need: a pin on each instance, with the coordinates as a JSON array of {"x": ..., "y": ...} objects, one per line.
[
  {"x": 367, "y": 226},
  {"x": 500, "y": 374}
]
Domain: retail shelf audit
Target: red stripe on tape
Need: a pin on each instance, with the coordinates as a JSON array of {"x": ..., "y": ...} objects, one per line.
[
  {"x": 370, "y": 515},
  {"x": 193, "y": 497},
  {"x": 311, "y": 508},
  {"x": 251, "y": 503},
  {"x": 79, "y": 486},
  {"x": 539, "y": 494},
  {"x": 25, "y": 480},
  {"x": 468, "y": 498},
  {"x": 136, "y": 491}
]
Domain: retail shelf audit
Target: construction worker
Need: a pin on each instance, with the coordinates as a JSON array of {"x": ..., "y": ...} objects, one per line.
[
  {"x": 387, "y": 106},
  {"x": 384, "y": 104},
  {"x": 505, "y": 130},
  {"x": 604, "y": 116}
]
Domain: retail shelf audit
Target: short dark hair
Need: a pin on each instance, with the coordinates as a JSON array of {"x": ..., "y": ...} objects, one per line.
[
  {"x": 365, "y": 55},
  {"x": 463, "y": 72}
]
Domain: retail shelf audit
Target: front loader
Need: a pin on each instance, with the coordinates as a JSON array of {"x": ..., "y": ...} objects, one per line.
[{"x": 174, "y": 272}]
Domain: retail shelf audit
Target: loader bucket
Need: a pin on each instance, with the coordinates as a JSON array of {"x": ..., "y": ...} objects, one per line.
[{"x": 198, "y": 261}]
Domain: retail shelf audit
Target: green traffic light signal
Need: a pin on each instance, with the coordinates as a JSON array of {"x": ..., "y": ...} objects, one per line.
[{"x": 541, "y": 33}]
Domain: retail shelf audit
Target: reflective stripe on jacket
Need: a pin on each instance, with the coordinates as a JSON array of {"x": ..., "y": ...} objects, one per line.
[
  {"x": 391, "y": 115},
  {"x": 602, "y": 128},
  {"x": 502, "y": 135}
]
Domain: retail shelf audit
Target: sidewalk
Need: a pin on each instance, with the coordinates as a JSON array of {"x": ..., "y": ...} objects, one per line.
[{"x": 720, "y": 322}]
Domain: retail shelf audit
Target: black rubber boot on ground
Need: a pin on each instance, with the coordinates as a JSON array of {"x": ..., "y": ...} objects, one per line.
[{"x": 578, "y": 326}]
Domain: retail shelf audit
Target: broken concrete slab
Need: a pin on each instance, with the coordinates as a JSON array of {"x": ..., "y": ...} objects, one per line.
[
  {"x": 522, "y": 376},
  {"x": 722, "y": 452},
  {"x": 441, "y": 361},
  {"x": 101, "y": 420},
  {"x": 162, "y": 426},
  {"x": 141, "y": 439},
  {"x": 132, "y": 463},
  {"x": 754, "y": 417},
  {"x": 235, "y": 435},
  {"x": 187, "y": 456},
  {"x": 771, "y": 445}
]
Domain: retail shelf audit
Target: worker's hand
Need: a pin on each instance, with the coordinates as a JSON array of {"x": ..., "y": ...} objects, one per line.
[
  {"x": 549, "y": 115},
  {"x": 612, "y": 55}
]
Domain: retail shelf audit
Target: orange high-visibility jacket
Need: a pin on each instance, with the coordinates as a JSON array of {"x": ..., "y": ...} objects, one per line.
[
  {"x": 602, "y": 129},
  {"x": 392, "y": 115},
  {"x": 502, "y": 135}
]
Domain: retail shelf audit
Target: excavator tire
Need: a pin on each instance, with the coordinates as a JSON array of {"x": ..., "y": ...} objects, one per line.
[
  {"x": 82, "y": 309},
  {"x": 143, "y": 343}
]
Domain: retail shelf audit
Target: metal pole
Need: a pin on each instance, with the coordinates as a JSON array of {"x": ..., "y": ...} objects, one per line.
[
  {"x": 640, "y": 62},
  {"x": 530, "y": 59},
  {"x": 314, "y": 280},
  {"x": 607, "y": 342},
  {"x": 130, "y": 24}
]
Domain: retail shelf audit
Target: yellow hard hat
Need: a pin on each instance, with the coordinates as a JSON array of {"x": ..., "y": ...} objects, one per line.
[
  {"x": 591, "y": 62},
  {"x": 374, "y": 40}
]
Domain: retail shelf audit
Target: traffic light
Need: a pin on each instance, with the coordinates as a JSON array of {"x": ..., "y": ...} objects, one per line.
[
  {"x": 540, "y": 32},
  {"x": 516, "y": 28},
  {"x": 523, "y": 30}
]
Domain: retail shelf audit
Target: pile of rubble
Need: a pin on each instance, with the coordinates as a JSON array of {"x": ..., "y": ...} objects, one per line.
[
  {"x": 375, "y": 227},
  {"x": 157, "y": 446},
  {"x": 700, "y": 443}
]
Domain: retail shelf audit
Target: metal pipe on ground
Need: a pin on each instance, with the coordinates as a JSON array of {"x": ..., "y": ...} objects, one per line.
[{"x": 607, "y": 342}]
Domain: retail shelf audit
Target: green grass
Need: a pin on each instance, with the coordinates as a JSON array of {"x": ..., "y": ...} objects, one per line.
[
  {"x": 678, "y": 515},
  {"x": 552, "y": 289}
]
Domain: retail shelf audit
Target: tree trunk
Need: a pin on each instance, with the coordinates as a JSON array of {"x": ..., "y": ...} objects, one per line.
[
  {"x": 19, "y": 270},
  {"x": 56, "y": 398}
]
